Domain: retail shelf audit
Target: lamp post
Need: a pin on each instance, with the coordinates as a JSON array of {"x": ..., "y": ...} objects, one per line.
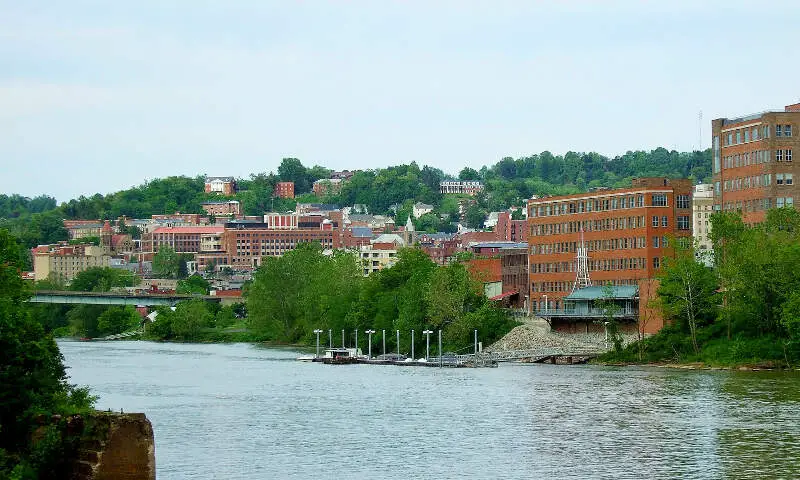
[
  {"x": 317, "y": 331},
  {"x": 398, "y": 343},
  {"x": 546, "y": 304},
  {"x": 356, "y": 352},
  {"x": 384, "y": 343},
  {"x": 369, "y": 340},
  {"x": 412, "y": 345},
  {"x": 475, "y": 351},
  {"x": 440, "y": 349},
  {"x": 427, "y": 334},
  {"x": 330, "y": 338},
  {"x": 343, "y": 338}
]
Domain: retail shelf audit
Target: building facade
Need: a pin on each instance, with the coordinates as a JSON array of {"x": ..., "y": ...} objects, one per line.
[
  {"x": 626, "y": 232},
  {"x": 702, "y": 208},
  {"x": 231, "y": 207},
  {"x": 284, "y": 189},
  {"x": 753, "y": 162},
  {"x": 327, "y": 187},
  {"x": 221, "y": 185},
  {"x": 468, "y": 187},
  {"x": 63, "y": 262}
]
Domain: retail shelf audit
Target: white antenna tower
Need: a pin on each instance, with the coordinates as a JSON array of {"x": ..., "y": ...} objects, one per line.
[
  {"x": 700, "y": 131},
  {"x": 582, "y": 267}
]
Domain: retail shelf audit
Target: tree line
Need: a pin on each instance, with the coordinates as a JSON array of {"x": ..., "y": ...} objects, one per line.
[{"x": 304, "y": 290}]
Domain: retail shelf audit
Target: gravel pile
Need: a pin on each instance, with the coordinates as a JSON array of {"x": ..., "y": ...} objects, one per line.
[{"x": 536, "y": 333}]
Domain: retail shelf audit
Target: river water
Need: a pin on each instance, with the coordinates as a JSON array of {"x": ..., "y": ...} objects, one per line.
[{"x": 241, "y": 411}]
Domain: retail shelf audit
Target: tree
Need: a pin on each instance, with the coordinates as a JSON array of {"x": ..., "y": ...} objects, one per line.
[
  {"x": 189, "y": 318},
  {"x": 688, "y": 292},
  {"x": 475, "y": 216},
  {"x": 102, "y": 279},
  {"x": 32, "y": 375},
  {"x": 167, "y": 263},
  {"x": 467, "y": 173},
  {"x": 292, "y": 170},
  {"x": 610, "y": 309},
  {"x": 117, "y": 320},
  {"x": 194, "y": 284}
]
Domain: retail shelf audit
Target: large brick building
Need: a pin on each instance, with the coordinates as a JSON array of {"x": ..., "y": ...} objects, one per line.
[
  {"x": 284, "y": 189},
  {"x": 753, "y": 162},
  {"x": 625, "y": 231}
]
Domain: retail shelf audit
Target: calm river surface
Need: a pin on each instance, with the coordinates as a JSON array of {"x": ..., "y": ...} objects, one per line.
[{"x": 244, "y": 412}]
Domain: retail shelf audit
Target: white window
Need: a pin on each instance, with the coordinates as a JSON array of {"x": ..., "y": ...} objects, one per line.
[
  {"x": 778, "y": 130},
  {"x": 789, "y": 201},
  {"x": 787, "y": 130},
  {"x": 789, "y": 179},
  {"x": 779, "y": 179},
  {"x": 779, "y": 202},
  {"x": 664, "y": 221},
  {"x": 778, "y": 155},
  {"x": 789, "y": 155}
]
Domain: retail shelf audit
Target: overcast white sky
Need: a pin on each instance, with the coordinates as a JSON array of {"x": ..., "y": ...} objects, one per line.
[{"x": 96, "y": 96}]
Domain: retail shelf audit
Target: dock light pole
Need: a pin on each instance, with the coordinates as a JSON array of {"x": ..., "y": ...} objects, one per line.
[
  {"x": 330, "y": 338},
  {"x": 412, "y": 345},
  {"x": 317, "y": 331},
  {"x": 398, "y": 343},
  {"x": 384, "y": 343},
  {"x": 476, "y": 342},
  {"x": 356, "y": 352},
  {"x": 427, "y": 334},
  {"x": 440, "y": 349},
  {"x": 369, "y": 339},
  {"x": 343, "y": 338}
]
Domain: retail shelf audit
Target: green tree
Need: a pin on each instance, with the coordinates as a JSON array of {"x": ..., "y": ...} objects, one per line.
[
  {"x": 102, "y": 279},
  {"x": 194, "y": 284},
  {"x": 167, "y": 263},
  {"x": 117, "y": 320}
]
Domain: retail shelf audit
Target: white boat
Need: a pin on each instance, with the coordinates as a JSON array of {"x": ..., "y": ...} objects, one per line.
[{"x": 306, "y": 358}]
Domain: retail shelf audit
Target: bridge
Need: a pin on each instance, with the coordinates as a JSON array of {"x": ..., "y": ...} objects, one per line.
[{"x": 115, "y": 298}]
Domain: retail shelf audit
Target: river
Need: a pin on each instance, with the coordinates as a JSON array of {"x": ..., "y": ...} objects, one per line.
[{"x": 239, "y": 411}]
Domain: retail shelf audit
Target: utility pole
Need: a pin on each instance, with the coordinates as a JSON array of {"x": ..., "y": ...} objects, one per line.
[
  {"x": 440, "y": 349},
  {"x": 412, "y": 345},
  {"x": 427, "y": 334}
]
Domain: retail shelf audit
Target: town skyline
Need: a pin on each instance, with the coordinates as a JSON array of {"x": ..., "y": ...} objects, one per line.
[{"x": 185, "y": 89}]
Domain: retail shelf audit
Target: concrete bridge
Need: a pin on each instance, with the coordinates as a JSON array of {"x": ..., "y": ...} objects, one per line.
[{"x": 115, "y": 298}]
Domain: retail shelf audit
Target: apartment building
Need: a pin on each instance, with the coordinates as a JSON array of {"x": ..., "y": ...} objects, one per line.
[
  {"x": 327, "y": 187},
  {"x": 230, "y": 207},
  {"x": 753, "y": 167},
  {"x": 702, "y": 208},
  {"x": 183, "y": 239},
  {"x": 284, "y": 189},
  {"x": 626, "y": 232},
  {"x": 245, "y": 244},
  {"x": 64, "y": 262}
]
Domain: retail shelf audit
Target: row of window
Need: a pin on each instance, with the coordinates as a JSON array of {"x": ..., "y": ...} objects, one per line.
[
  {"x": 567, "y": 286},
  {"x": 757, "y": 181},
  {"x": 758, "y": 204},
  {"x": 783, "y": 155},
  {"x": 753, "y": 134},
  {"x": 617, "y": 202},
  {"x": 603, "y": 265},
  {"x": 610, "y": 244}
]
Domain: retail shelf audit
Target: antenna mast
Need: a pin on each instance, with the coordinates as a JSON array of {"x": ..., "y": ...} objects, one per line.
[{"x": 582, "y": 267}]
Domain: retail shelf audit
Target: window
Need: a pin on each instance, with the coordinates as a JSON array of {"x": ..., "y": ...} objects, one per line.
[
  {"x": 683, "y": 222},
  {"x": 789, "y": 179},
  {"x": 664, "y": 221},
  {"x": 746, "y": 136},
  {"x": 788, "y": 155},
  {"x": 779, "y": 179},
  {"x": 655, "y": 221},
  {"x": 659, "y": 200},
  {"x": 656, "y": 241},
  {"x": 656, "y": 262},
  {"x": 778, "y": 130},
  {"x": 755, "y": 133},
  {"x": 664, "y": 242},
  {"x": 730, "y": 139},
  {"x": 715, "y": 147},
  {"x": 787, "y": 130},
  {"x": 738, "y": 136},
  {"x": 779, "y": 202},
  {"x": 789, "y": 201},
  {"x": 682, "y": 201},
  {"x": 778, "y": 155}
]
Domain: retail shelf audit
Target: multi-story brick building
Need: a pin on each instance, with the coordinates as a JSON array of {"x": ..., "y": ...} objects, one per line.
[
  {"x": 753, "y": 167},
  {"x": 284, "y": 189},
  {"x": 327, "y": 187},
  {"x": 245, "y": 244},
  {"x": 222, "y": 185},
  {"x": 514, "y": 271},
  {"x": 231, "y": 207},
  {"x": 625, "y": 231},
  {"x": 182, "y": 239}
]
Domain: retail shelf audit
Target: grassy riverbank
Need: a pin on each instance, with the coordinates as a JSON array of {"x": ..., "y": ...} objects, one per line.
[{"x": 715, "y": 350}]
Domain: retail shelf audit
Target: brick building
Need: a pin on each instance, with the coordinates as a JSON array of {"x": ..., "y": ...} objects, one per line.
[
  {"x": 511, "y": 230},
  {"x": 753, "y": 167},
  {"x": 245, "y": 244},
  {"x": 284, "y": 189},
  {"x": 222, "y": 185},
  {"x": 63, "y": 262},
  {"x": 327, "y": 187},
  {"x": 183, "y": 239},
  {"x": 702, "y": 208},
  {"x": 231, "y": 207},
  {"x": 626, "y": 231},
  {"x": 514, "y": 272}
]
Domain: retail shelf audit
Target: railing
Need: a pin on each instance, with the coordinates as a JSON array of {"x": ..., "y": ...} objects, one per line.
[{"x": 588, "y": 313}]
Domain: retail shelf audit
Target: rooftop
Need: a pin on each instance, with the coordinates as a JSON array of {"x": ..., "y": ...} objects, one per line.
[{"x": 618, "y": 292}]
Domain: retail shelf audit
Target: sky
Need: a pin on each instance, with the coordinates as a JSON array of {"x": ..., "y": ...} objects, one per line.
[{"x": 98, "y": 96}]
